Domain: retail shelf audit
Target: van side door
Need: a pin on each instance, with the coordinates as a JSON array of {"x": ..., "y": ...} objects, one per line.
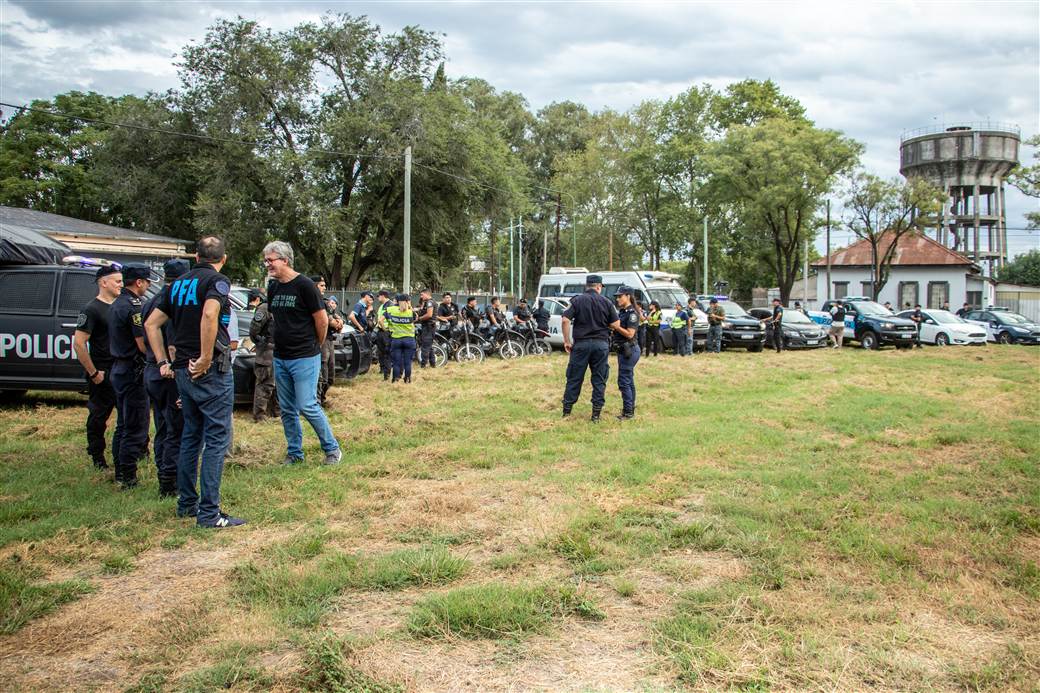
[
  {"x": 27, "y": 327},
  {"x": 76, "y": 289}
]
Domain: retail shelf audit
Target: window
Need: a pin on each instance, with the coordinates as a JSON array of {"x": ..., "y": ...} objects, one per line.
[
  {"x": 938, "y": 293},
  {"x": 550, "y": 290},
  {"x": 573, "y": 290},
  {"x": 974, "y": 298},
  {"x": 554, "y": 308},
  {"x": 640, "y": 296},
  {"x": 841, "y": 289},
  {"x": 77, "y": 288},
  {"x": 908, "y": 294},
  {"x": 867, "y": 289},
  {"x": 28, "y": 293}
]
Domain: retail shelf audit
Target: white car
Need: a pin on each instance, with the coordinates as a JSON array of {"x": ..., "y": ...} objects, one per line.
[
  {"x": 555, "y": 305},
  {"x": 942, "y": 328}
]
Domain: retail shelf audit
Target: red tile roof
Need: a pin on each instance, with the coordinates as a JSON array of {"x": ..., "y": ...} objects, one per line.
[{"x": 913, "y": 249}]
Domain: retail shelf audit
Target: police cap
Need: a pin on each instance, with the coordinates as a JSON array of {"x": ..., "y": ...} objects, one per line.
[
  {"x": 175, "y": 268},
  {"x": 255, "y": 294},
  {"x": 133, "y": 271},
  {"x": 593, "y": 279},
  {"x": 106, "y": 270},
  {"x": 404, "y": 297},
  {"x": 713, "y": 300},
  {"x": 524, "y": 301},
  {"x": 623, "y": 291}
]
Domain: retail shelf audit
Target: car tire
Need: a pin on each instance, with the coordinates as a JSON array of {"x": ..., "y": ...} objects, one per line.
[
  {"x": 511, "y": 349},
  {"x": 1004, "y": 338},
  {"x": 942, "y": 339},
  {"x": 868, "y": 340},
  {"x": 469, "y": 353}
]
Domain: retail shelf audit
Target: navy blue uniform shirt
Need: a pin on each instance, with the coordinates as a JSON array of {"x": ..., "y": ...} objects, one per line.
[
  {"x": 183, "y": 301},
  {"x": 591, "y": 316},
  {"x": 124, "y": 324},
  {"x": 630, "y": 321}
]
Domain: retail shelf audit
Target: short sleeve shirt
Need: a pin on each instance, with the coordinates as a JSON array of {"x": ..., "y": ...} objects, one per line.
[
  {"x": 629, "y": 320},
  {"x": 124, "y": 326},
  {"x": 93, "y": 320},
  {"x": 361, "y": 314},
  {"x": 293, "y": 305},
  {"x": 183, "y": 302},
  {"x": 591, "y": 315},
  {"x": 778, "y": 314}
]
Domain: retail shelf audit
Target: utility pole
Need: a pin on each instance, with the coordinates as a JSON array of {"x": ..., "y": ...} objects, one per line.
[
  {"x": 545, "y": 248},
  {"x": 493, "y": 260},
  {"x": 705, "y": 254},
  {"x": 805, "y": 277},
  {"x": 407, "y": 287},
  {"x": 559, "y": 203},
  {"x": 519, "y": 260},
  {"x": 512, "y": 280},
  {"x": 610, "y": 250},
  {"x": 828, "y": 250}
]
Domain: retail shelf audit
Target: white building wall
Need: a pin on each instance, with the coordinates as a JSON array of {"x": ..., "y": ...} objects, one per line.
[{"x": 955, "y": 276}]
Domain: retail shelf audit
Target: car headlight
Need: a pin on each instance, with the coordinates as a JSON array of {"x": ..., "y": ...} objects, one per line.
[
  {"x": 887, "y": 326},
  {"x": 727, "y": 325},
  {"x": 1018, "y": 330},
  {"x": 790, "y": 333}
]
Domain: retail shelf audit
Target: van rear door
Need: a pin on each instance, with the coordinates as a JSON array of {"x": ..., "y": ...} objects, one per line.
[
  {"x": 77, "y": 289},
  {"x": 27, "y": 327}
]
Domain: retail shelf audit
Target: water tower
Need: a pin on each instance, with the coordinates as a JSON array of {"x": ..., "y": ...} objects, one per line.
[{"x": 969, "y": 162}]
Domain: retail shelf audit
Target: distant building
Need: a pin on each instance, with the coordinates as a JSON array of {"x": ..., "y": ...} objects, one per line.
[
  {"x": 97, "y": 240},
  {"x": 922, "y": 271}
]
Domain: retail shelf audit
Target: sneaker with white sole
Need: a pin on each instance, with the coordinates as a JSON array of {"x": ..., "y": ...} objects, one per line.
[{"x": 334, "y": 457}]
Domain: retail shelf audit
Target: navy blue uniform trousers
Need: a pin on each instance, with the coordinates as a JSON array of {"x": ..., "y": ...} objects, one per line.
[
  {"x": 402, "y": 351},
  {"x": 594, "y": 355},
  {"x": 132, "y": 420}
]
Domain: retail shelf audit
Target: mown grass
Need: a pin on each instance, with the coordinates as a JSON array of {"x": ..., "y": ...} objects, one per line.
[{"x": 858, "y": 491}]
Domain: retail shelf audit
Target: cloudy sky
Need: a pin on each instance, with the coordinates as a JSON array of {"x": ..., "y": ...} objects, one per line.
[{"x": 872, "y": 70}]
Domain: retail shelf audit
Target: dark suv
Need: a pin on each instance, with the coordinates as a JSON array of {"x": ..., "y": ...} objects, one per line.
[
  {"x": 872, "y": 325},
  {"x": 740, "y": 329},
  {"x": 1004, "y": 327}
]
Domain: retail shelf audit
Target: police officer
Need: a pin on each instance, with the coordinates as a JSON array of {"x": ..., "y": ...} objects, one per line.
[
  {"x": 593, "y": 317},
  {"x": 126, "y": 342},
  {"x": 541, "y": 316},
  {"x": 424, "y": 317},
  {"x": 383, "y": 332},
  {"x": 197, "y": 306},
  {"x": 777, "y": 323},
  {"x": 495, "y": 316},
  {"x": 358, "y": 316},
  {"x": 918, "y": 319},
  {"x": 627, "y": 346},
  {"x": 716, "y": 316},
  {"x": 328, "y": 347},
  {"x": 162, "y": 392},
  {"x": 691, "y": 308},
  {"x": 90, "y": 343},
  {"x": 400, "y": 321},
  {"x": 655, "y": 344},
  {"x": 447, "y": 314},
  {"x": 680, "y": 328},
  {"x": 471, "y": 312},
  {"x": 265, "y": 398}
]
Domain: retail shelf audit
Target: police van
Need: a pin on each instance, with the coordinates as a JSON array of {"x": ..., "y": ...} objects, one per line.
[
  {"x": 39, "y": 305},
  {"x": 647, "y": 286}
]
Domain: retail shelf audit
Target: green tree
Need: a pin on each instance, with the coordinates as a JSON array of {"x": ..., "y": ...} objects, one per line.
[
  {"x": 776, "y": 174},
  {"x": 1024, "y": 269},
  {"x": 884, "y": 211},
  {"x": 1027, "y": 179}
]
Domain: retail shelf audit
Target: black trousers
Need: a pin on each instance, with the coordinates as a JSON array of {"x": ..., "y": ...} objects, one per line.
[
  {"x": 592, "y": 355},
  {"x": 163, "y": 394},
  {"x": 778, "y": 338},
  {"x": 383, "y": 349},
  {"x": 100, "y": 403},
  {"x": 132, "y": 421},
  {"x": 426, "y": 346},
  {"x": 654, "y": 341}
]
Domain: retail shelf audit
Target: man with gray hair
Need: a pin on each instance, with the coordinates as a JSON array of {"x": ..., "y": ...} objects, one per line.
[{"x": 301, "y": 324}]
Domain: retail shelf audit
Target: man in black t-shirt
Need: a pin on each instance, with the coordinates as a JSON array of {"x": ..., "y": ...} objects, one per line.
[
  {"x": 197, "y": 307},
  {"x": 90, "y": 343},
  {"x": 777, "y": 323},
  {"x": 126, "y": 344},
  {"x": 541, "y": 316},
  {"x": 594, "y": 319},
  {"x": 301, "y": 324},
  {"x": 918, "y": 319},
  {"x": 447, "y": 314},
  {"x": 424, "y": 317},
  {"x": 471, "y": 313}
]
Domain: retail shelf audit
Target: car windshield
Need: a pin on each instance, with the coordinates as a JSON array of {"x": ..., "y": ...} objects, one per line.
[
  {"x": 944, "y": 317},
  {"x": 733, "y": 310},
  {"x": 795, "y": 316},
  {"x": 667, "y": 298},
  {"x": 1011, "y": 318},
  {"x": 871, "y": 308}
]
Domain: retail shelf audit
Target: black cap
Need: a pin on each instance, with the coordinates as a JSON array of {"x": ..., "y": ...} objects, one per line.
[
  {"x": 593, "y": 279},
  {"x": 133, "y": 271},
  {"x": 404, "y": 297},
  {"x": 524, "y": 301},
  {"x": 713, "y": 300},
  {"x": 623, "y": 290},
  {"x": 175, "y": 268},
  {"x": 106, "y": 270},
  {"x": 384, "y": 292},
  {"x": 255, "y": 294}
]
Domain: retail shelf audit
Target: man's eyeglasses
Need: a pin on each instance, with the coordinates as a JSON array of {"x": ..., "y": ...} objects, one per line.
[{"x": 272, "y": 260}]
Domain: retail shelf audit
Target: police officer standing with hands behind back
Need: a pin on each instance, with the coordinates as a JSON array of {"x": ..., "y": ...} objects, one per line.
[
  {"x": 126, "y": 342},
  {"x": 593, "y": 317},
  {"x": 627, "y": 350}
]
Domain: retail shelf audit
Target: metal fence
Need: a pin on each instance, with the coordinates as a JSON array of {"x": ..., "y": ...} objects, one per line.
[
  {"x": 347, "y": 299},
  {"x": 1026, "y": 303}
]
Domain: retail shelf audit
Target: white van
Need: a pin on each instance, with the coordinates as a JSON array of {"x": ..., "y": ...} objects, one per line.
[{"x": 648, "y": 286}]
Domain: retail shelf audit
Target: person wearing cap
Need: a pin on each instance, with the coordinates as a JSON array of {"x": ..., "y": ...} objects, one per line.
[
  {"x": 382, "y": 332},
  {"x": 777, "y": 323},
  {"x": 716, "y": 316},
  {"x": 197, "y": 307},
  {"x": 301, "y": 325},
  {"x": 593, "y": 318},
  {"x": 162, "y": 394},
  {"x": 522, "y": 313},
  {"x": 327, "y": 376},
  {"x": 541, "y": 316},
  {"x": 680, "y": 326},
  {"x": 399, "y": 320},
  {"x": 265, "y": 399},
  {"x": 358, "y": 315},
  {"x": 424, "y": 316},
  {"x": 627, "y": 346},
  {"x": 691, "y": 311},
  {"x": 837, "y": 329},
  {"x": 126, "y": 343},
  {"x": 90, "y": 342},
  {"x": 654, "y": 342}
]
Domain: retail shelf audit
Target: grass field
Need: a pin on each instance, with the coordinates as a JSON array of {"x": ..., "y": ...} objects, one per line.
[{"x": 832, "y": 520}]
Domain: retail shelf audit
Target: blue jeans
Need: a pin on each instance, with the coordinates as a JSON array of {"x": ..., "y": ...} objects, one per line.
[
  {"x": 679, "y": 341},
  {"x": 402, "y": 351},
  {"x": 592, "y": 354},
  {"x": 626, "y": 380},
  {"x": 689, "y": 344},
  {"x": 206, "y": 406},
  {"x": 715, "y": 338},
  {"x": 296, "y": 381}
]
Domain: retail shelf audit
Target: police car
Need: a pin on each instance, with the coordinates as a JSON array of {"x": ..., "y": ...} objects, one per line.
[
  {"x": 39, "y": 309},
  {"x": 870, "y": 323},
  {"x": 740, "y": 329},
  {"x": 1004, "y": 327}
]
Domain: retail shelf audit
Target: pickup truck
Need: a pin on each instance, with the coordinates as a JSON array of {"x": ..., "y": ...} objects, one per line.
[{"x": 870, "y": 324}]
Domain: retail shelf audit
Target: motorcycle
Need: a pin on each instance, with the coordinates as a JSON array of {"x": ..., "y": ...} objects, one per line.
[{"x": 535, "y": 340}]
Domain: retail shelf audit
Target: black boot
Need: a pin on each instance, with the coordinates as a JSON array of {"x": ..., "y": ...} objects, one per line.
[
  {"x": 595, "y": 416},
  {"x": 626, "y": 414},
  {"x": 566, "y": 410},
  {"x": 167, "y": 487},
  {"x": 407, "y": 379},
  {"x": 386, "y": 376},
  {"x": 100, "y": 463}
]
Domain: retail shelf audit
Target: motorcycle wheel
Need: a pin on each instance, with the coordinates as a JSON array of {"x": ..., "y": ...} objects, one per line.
[
  {"x": 537, "y": 347},
  {"x": 510, "y": 349},
  {"x": 469, "y": 353},
  {"x": 440, "y": 355}
]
